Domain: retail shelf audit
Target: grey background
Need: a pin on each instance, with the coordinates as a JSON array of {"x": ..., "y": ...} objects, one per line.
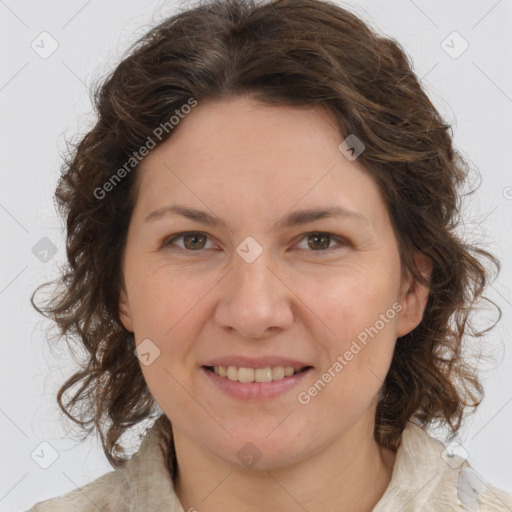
[{"x": 44, "y": 100}]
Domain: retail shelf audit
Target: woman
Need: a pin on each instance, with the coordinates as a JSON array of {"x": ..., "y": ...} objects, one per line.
[{"x": 262, "y": 253}]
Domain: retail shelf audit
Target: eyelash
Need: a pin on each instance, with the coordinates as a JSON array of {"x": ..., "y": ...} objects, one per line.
[{"x": 342, "y": 242}]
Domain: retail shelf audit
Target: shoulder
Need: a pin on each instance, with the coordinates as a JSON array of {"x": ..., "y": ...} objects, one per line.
[
  {"x": 105, "y": 494},
  {"x": 427, "y": 477},
  {"x": 142, "y": 483}
]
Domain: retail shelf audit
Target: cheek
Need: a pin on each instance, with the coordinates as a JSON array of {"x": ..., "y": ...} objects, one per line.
[
  {"x": 348, "y": 301},
  {"x": 166, "y": 309},
  {"x": 355, "y": 327},
  {"x": 164, "y": 301}
]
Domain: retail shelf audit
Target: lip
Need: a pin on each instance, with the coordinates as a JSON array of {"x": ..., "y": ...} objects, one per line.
[
  {"x": 256, "y": 390},
  {"x": 255, "y": 362}
]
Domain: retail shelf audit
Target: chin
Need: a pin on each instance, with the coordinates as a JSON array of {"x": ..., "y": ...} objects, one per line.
[{"x": 259, "y": 450}]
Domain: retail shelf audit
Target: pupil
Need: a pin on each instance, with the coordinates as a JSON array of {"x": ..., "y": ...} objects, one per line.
[
  {"x": 319, "y": 236},
  {"x": 193, "y": 237}
]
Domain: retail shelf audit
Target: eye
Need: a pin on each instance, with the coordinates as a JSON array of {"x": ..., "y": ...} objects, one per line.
[
  {"x": 194, "y": 241},
  {"x": 320, "y": 241}
]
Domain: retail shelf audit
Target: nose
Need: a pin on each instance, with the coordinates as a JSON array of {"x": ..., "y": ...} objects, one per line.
[{"x": 255, "y": 299}]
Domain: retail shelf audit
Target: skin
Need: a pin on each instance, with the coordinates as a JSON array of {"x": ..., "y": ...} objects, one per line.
[{"x": 250, "y": 164}]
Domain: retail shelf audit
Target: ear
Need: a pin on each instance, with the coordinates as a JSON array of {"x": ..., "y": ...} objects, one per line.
[
  {"x": 414, "y": 297},
  {"x": 125, "y": 313}
]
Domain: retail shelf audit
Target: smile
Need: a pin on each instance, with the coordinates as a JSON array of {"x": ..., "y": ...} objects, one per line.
[
  {"x": 266, "y": 374},
  {"x": 255, "y": 383}
]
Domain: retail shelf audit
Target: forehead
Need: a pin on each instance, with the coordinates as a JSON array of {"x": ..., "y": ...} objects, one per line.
[
  {"x": 244, "y": 153},
  {"x": 246, "y": 132}
]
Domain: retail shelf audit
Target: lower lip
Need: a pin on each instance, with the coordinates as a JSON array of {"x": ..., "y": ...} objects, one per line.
[{"x": 256, "y": 390}]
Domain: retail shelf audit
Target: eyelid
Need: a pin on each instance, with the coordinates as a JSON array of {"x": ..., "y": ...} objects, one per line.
[
  {"x": 342, "y": 242},
  {"x": 168, "y": 240}
]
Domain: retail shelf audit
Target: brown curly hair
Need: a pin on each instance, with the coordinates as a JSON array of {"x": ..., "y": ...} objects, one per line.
[{"x": 299, "y": 53}]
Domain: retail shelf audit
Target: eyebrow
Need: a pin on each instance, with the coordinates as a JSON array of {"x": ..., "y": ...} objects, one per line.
[{"x": 292, "y": 219}]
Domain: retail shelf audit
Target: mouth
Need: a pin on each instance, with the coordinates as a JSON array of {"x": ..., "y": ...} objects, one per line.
[{"x": 255, "y": 375}]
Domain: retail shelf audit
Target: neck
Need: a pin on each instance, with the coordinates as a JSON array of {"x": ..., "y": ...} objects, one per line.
[{"x": 348, "y": 475}]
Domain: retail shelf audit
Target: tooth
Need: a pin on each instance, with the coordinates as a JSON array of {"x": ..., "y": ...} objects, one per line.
[
  {"x": 277, "y": 372},
  {"x": 288, "y": 370},
  {"x": 232, "y": 373},
  {"x": 267, "y": 374},
  {"x": 246, "y": 374},
  {"x": 263, "y": 374}
]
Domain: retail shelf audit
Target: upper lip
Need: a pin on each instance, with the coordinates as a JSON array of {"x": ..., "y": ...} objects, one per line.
[{"x": 255, "y": 362}]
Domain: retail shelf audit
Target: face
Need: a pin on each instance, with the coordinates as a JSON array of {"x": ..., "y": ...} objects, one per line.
[{"x": 252, "y": 285}]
